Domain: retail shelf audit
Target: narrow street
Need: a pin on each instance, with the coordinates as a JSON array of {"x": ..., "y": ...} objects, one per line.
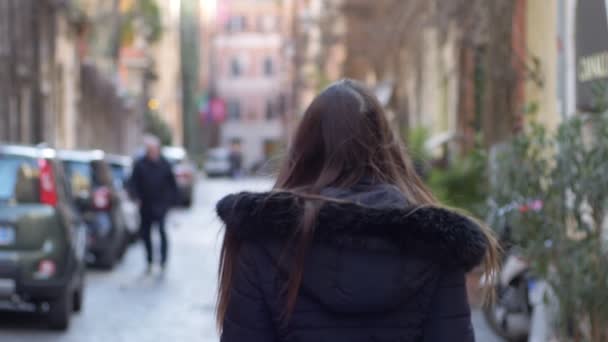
[{"x": 125, "y": 306}]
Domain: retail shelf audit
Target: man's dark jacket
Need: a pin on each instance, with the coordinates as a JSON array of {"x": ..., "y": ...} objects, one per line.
[
  {"x": 153, "y": 183},
  {"x": 377, "y": 270}
]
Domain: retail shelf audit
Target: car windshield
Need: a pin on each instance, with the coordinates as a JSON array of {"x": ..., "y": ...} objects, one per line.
[{"x": 14, "y": 174}]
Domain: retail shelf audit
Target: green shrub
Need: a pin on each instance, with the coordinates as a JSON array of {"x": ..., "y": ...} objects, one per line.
[
  {"x": 155, "y": 125},
  {"x": 462, "y": 184},
  {"x": 568, "y": 172}
]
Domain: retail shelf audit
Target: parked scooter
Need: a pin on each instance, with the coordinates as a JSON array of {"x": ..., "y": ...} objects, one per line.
[{"x": 520, "y": 312}]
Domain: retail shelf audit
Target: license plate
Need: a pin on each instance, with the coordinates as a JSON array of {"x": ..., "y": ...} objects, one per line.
[{"x": 7, "y": 236}]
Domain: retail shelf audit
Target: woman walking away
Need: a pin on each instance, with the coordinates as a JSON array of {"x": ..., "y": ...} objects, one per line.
[{"x": 350, "y": 245}]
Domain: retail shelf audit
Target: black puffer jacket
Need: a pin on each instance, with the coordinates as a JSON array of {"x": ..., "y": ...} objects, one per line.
[
  {"x": 153, "y": 183},
  {"x": 377, "y": 270}
]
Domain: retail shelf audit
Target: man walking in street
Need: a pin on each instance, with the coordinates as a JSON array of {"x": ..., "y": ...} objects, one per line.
[{"x": 155, "y": 187}]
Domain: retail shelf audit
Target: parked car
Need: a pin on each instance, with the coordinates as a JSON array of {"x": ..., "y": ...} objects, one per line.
[
  {"x": 121, "y": 167},
  {"x": 42, "y": 236},
  {"x": 184, "y": 171},
  {"x": 92, "y": 183},
  {"x": 218, "y": 163}
]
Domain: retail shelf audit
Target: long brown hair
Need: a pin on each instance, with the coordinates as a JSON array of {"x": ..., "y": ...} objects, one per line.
[{"x": 343, "y": 137}]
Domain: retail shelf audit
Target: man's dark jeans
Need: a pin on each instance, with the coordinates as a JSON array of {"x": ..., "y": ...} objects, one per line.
[{"x": 146, "y": 234}]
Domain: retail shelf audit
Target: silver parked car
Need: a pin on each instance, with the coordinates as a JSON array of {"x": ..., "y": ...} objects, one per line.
[
  {"x": 121, "y": 167},
  {"x": 184, "y": 171},
  {"x": 218, "y": 163}
]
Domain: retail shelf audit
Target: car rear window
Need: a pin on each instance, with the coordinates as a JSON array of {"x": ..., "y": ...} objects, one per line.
[
  {"x": 79, "y": 175},
  {"x": 218, "y": 155},
  {"x": 119, "y": 175},
  {"x": 18, "y": 179},
  {"x": 172, "y": 161}
]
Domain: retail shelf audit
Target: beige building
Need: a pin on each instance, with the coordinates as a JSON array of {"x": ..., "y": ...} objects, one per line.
[
  {"x": 165, "y": 91},
  {"x": 38, "y": 87},
  {"x": 109, "y": 117},
  {"x": 541, "y": 32},
  {"x": 433, "y": 90},
  {"x": 66, "y": 85},
  {"x": 320, "y": 47}
]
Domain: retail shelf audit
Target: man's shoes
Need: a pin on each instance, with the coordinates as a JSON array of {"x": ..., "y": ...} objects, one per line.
[{"x": 149, "y": 270}]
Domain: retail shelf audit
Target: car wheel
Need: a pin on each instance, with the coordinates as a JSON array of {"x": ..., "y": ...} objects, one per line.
[
  {"x": 108, "y": 259},
  {"x": 79, "y": 296},
  {"x": 133, "y": 237},
  {"x": 78, "y": 300},
  {"x": 60, "y": 311}
]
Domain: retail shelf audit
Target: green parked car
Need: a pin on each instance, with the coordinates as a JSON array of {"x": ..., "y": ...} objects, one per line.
[{"x": 42, "y": 237}]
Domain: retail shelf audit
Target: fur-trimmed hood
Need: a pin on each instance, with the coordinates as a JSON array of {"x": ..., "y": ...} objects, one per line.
[{"x": 373, "y": 218}]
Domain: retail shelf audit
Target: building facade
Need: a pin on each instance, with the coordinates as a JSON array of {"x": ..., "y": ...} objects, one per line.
[
  {"x": 59, "y": 81},
  {"x": 319, "y": 37},
  {"x": 109, "y": 115},
  {"x": 165, "y": 92},
  {"x": 247, "y": 63},
  {"x": 39, "y": 72}
]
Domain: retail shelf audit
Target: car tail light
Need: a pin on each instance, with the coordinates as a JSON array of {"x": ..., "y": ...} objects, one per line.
[
  {"x": 48, "y": 191},
  {"x": 102, "y": 199},
  {"x": 46, "y": 268}
]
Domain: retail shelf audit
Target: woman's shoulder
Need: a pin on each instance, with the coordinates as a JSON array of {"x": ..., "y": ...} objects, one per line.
[{"x": 433, "y": 233}]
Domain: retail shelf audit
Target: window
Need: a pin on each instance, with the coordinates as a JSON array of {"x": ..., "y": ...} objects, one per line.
[
  {"x": 268, "y": 66},
  {"x": 239, "y": 65},
  {"x": 234, "y": 110},
  {"x": 270, "y": 110},
  {"x": 272, "y": 148},
  {"x": 237, "y": 23},
  {"x": 80, "y": 176},
  {"x": 18, "y": 177},
  {"x": 119, "y": 175},
  {"x": 236, "y": 69}
]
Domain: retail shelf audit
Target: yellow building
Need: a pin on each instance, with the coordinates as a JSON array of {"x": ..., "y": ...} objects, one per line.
[
  {"x": 541, "y": 87},
  {"x": 166, "y": 90}
]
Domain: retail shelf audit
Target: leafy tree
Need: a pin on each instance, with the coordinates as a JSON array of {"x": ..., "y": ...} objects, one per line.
[
  {"x": 463, "y": 183},
  {"x": 145, "y": 13},
  {"x": 157, "y": 126}
]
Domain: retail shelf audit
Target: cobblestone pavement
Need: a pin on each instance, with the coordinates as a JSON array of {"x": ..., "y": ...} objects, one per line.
[
  {"x": 482, "y": 331},
  {"x": 125, "y": 306}
]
